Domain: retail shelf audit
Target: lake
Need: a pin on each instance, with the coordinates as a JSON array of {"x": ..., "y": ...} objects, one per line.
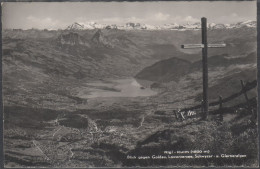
[{"x": 117, "y": 88}]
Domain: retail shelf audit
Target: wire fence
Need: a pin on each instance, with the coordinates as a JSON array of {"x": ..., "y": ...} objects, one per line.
[{"x": 244, "y": 89}]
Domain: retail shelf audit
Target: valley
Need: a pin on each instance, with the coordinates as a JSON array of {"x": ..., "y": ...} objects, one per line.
[{"x": 90, "y": 98}]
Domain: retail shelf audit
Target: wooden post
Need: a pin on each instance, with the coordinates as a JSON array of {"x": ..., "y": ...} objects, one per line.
[
  {"x": 205, "y": 66},
  {"x": 220, "y": 109},
  {"x": 176, "y": 115},
  {"x": 182, "y": 116},
  {"x": 245, "y": 94},
  {"x": 220, "y": 102},
  {"x": 202, "y": 108}
]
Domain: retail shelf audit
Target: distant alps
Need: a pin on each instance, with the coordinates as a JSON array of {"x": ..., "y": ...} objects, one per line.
[{"x": 171, "y": 26}]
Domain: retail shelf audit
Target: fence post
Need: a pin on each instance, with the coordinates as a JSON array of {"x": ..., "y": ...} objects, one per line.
[
  {"x": 202, "y": 107},
  {"x": 176, "y": 115},
  {"x": 220, "y": 102},
  {"x": 220, "y": 109},
  {"x": 245, "y": 92}
]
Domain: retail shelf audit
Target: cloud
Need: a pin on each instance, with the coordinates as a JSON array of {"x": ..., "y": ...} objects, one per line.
[
  {"x": 111, "y": 20},
  {"x": 155, "y": 18},
  {"x": 42, "y": 23},
  {"x": 134, "y": 19},
  {"x": 120, "y": 19},
  {"x": 183, "y": 19},
  {"x": 234, "y": 15},
  {"x": 232, "y": 18},
  {"x": 191, "y": 19},
  {"x": 161, "y": 17}
]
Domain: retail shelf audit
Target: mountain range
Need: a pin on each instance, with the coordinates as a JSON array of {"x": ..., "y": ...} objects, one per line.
[
  {"x": 171, "y": 26},
  {"x": 36, "y": 62},
  {"x": 173, "y": 69},
  {"x": 50, "y": 76}
]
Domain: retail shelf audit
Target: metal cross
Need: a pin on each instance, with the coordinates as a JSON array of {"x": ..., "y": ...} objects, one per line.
[{"x": 204, "y": 47}]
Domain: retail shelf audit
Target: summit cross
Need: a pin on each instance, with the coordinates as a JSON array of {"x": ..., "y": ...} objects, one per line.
[{"x": 204, "y": 47}]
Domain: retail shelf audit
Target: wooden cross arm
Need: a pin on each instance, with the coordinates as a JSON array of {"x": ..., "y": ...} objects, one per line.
[{"x": 192, "y": 46}]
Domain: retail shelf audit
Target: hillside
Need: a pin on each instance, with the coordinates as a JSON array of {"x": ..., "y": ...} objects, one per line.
[
  {"x": 172, "y": 69},
  {"x": 46, "y": 61},
  {"x": 71, "y": 98},
  {"x": 164, "y": 71}
]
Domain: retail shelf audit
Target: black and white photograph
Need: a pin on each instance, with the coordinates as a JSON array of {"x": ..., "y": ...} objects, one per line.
[{"x": 130, "y": 84}]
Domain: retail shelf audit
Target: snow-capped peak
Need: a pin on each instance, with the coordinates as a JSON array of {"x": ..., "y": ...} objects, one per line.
[
  {"x": 170, "y": 26},
  {"x": 75, "y": 26},
  {"x": 249, "y": 23}
]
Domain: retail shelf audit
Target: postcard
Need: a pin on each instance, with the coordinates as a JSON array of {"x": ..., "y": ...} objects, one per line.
[{"x": 130, "y": 84}]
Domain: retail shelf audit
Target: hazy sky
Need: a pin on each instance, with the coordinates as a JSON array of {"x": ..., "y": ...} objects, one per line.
[{"x": 53, "y": 15}]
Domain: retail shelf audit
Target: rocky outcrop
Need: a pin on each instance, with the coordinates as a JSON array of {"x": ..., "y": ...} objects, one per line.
[
  {"x": 101, "y": 40},
  {"x": 72, "y": 39}
]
